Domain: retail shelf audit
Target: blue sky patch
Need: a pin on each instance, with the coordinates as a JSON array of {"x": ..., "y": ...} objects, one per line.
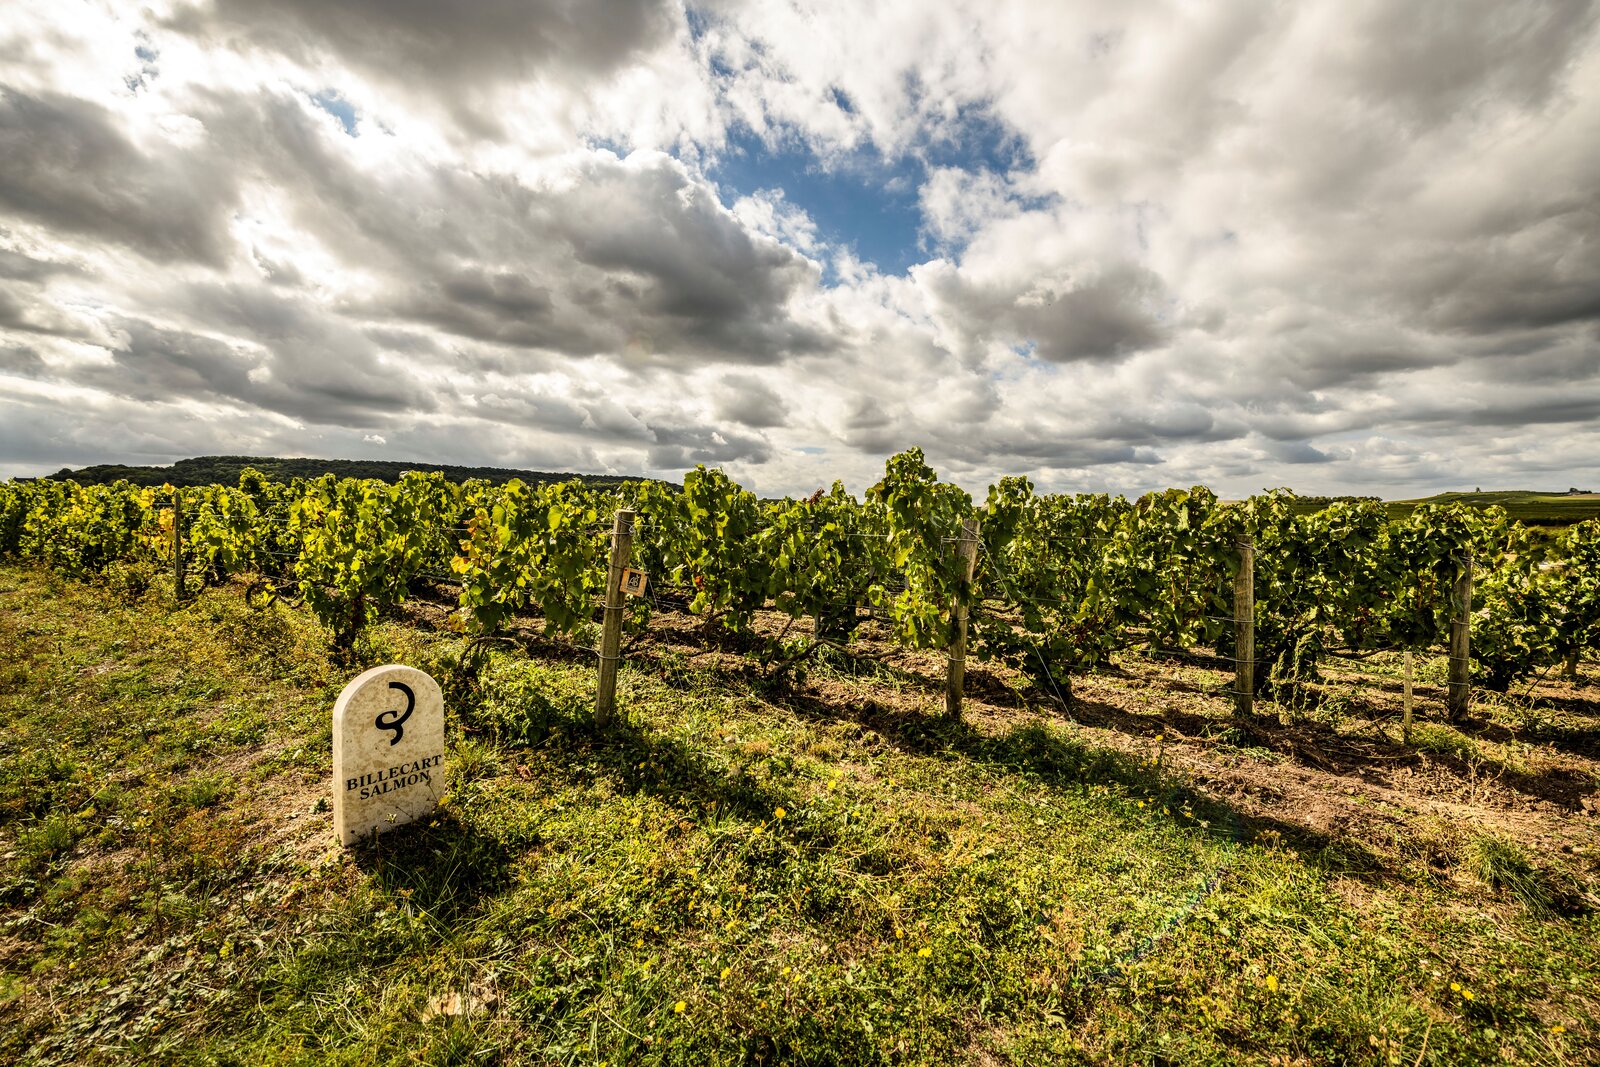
[
  {"x": 868, "y": 204},
  {"x": 337, "y": 106},
  {"x": 866, "y": 200}
]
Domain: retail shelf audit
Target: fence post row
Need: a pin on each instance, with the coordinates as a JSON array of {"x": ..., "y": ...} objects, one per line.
[
  {"x": 605, "y": 703},
  {"x": 966, "y": 548},
  {"x": 1244, "y": 628},
  {"x": 1460, "y": 691},
  {"x": 966, "y": 562}
]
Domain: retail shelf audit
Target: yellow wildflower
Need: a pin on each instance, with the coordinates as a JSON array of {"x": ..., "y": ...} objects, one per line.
[
  {"x": 679, "y": 1007},
  {"x": 925, "y": 952},
  {"x": 779, "y": 813}
]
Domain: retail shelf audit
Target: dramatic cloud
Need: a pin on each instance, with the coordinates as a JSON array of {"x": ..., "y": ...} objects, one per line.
[
  {"x": 1339, "y": 246},
  {"x": 65, "y": 163},
  {"x": 498, "y": 40}
]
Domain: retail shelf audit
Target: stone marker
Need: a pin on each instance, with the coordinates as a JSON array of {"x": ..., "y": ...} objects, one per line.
[{"x": 388, "y": 751}]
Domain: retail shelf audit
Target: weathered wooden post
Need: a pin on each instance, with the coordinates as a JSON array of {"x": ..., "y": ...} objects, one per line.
[
  {"x": 605, "y": 703},
  {"x": 1405, "y": 717},
  {"x": 1460, "y": 691},
  {"x": 1244, "y": 628},
  {"x": 966, "y": 561},
  {"x": 177, "y": 543}
]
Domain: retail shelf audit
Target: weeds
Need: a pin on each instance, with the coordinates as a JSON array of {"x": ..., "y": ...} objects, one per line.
[{"x": 1501, "y": 864}]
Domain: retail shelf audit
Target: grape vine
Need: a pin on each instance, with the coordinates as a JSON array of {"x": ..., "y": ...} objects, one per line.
[{"x": 1063, "y": 583}]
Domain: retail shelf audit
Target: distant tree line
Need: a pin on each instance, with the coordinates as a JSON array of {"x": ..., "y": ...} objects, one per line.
[
  {"x": 1324, "y": 501},
  {"x": 225, "y": 470}
]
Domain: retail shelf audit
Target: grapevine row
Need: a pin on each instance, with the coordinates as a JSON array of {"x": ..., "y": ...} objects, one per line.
[{"x": 1062, "y": 582}]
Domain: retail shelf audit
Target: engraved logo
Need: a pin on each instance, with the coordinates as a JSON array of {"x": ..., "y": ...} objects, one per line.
[{"x": 395, "y": 720}]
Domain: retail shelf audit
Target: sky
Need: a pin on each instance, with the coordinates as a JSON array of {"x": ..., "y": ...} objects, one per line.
[{"x": 1338, "y": 245}]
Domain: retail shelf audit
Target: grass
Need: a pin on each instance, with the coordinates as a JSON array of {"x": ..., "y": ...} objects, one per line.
[
  {"x": 1503, "y": 865},
  {"x": 1532, "y": 509},
  {"x": 739, "y": 873}
]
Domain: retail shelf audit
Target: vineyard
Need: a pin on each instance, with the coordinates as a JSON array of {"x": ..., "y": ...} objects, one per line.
[
  {"x": 1058, "y": 584},
  {"x": 1171, "y": 822}
]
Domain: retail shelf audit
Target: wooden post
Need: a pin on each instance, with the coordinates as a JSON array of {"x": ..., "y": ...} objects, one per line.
[
  {"x": 1459, "y": 694},
  {"x": 605, "y": 703},
  {"x": 966, "y": 560},
  {"x": 177, "y": 543},
  {"x": 1405, "y": 717},
  {"x": 1244, "y": 628}
]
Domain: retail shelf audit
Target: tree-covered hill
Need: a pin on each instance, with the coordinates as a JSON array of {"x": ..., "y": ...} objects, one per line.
[{"x": 224, "y": 470}]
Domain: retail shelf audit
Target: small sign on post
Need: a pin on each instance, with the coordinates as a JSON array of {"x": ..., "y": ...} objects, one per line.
[
  {"x": 388, "y": 751},
  {"x": 633, "y": 582}
]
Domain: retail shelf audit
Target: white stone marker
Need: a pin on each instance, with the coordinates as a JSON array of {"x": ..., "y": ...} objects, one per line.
[{"x": 388, "y": 751}]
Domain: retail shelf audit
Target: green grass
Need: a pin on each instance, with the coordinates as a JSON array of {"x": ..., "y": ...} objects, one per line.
[
  {"x": 1504, "y": 865},
  {"x": 739, "y": 873},
  {"x": 1533, "y": 509}
]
